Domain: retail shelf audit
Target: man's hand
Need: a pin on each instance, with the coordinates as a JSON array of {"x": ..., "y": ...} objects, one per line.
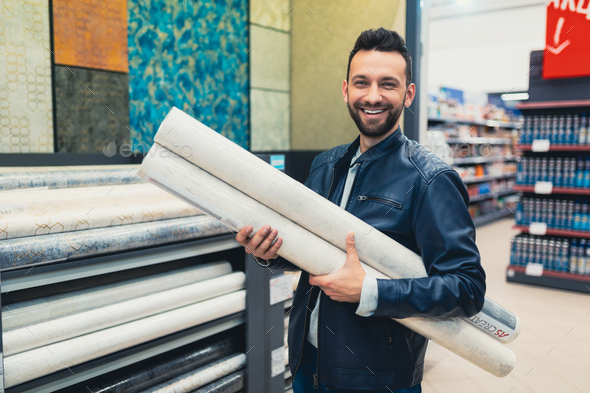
[
  {"x": 260, "y": 245},
  {"x": 347, "y": 283}
]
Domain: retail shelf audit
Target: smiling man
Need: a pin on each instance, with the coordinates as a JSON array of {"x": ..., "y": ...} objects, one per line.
[{"x": 341, "y": 335}]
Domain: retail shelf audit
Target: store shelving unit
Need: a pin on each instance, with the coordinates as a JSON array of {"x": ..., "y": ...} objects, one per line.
[
  {"x": 490, "y": 128},
  {"x": 249, "y": 326},
  {"x": 544, "y": 277}
]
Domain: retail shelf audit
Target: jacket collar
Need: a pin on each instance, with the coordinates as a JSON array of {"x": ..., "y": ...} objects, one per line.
[{"x": 387, "y": 145}]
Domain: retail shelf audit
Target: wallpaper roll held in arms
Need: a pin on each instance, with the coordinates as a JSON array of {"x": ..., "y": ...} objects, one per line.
[
  {"x": 153, "y": 371},
  {"x": 55, "y": 330},
  {"x": 51, "y": 307},
  {"x": 93, "y": 242},
  {"x": 233, "y": 208},
  {"x": 68, "y": 177},
  {"x": 219, "y": 156},
  {"x": 26, "y": 366}
]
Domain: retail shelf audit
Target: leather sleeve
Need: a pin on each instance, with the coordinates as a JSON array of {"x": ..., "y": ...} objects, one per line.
[{"x": 445, "y": 236}]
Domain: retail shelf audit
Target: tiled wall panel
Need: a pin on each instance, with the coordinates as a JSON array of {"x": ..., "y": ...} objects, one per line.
[
  {"x": 26, "y": 120},
  {"x": 92, "y": 110},
  {"x": 270, "y": 120},
  {"x": 91, "y": 33},
  {"x": 192, "y": 55}
]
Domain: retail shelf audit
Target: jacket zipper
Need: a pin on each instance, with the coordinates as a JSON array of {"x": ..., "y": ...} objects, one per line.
[
  {"x": 331, "y": 183},
  {"x": 366, "y": 198},
  {"x": 389, "y": 338},
  {"x": 304, "y": 337}
]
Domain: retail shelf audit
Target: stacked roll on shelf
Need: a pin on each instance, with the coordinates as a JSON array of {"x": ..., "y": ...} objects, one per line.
[
  {"x": 14, "y": 178},
  {"x": 554, "y": 179},
  {"x": 161, "y": 368},
  {"x": 104, "y": 322}
]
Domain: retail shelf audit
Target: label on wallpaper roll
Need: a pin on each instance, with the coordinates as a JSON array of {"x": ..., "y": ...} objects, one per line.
[
  {"x": 188, "y": 196},
  {"x": 497, "y": 321},
  {"x": 541, "y": 145},
  {"x": 12, "y": 209}
]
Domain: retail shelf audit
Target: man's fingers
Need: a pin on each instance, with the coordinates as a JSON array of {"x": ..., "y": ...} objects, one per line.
[
  {"x": 267, "y": 241},
  {"x": 242, "y": 236},
  {"x": 258, "y": 238},
  {"x": 272, "y": 252}
]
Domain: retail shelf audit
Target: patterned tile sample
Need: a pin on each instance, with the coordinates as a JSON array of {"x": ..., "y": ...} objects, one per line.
[
  {"x": 270, "y": 59},
  {"x": 91, "y": 33},
  {"x": 192, "y": 55},
  {"x": 92, "y": 110},
  {"x": 68, "y": 178},
  {"x": 26, "y": 119},
  {"x": 271, "y": 13},
  {"x": 74, "y": 245},
  {"x": 270, "y": 120}
]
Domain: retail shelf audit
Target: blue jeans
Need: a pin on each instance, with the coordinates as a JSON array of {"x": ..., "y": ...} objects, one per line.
[{"x": 303, "y": 382}]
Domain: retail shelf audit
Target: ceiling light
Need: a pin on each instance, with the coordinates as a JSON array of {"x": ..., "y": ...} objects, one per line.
[{"x": 514, "y": 96}]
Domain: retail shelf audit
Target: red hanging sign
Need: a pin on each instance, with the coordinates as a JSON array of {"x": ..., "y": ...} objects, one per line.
[{"x": 567, "y": 50}]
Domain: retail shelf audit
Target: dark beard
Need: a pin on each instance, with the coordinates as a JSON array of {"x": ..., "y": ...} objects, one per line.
[{"x": 373, "y": 129}]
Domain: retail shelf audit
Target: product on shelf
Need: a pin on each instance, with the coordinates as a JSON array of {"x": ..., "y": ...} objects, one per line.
[
  {"x": 572, "y": 215},
  {"x": 563, "y": 129},
  {"x": 493, "y": 206},
  {"x": 565, "y": 172},
  {"x": 555, "y": 254}
]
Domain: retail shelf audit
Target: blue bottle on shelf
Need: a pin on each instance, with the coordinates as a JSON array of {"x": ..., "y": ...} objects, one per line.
[
  {"x": 564, "y": 255},
  {"x": 584, "y": 216},
  {"x": 573, "y": 259},
  {"x": 570, "y": 215},
  {"x": 577, "y": 216},
  {"x": 557, "y": 182},
  {"x": 580, "y": 172},
  {"x": 583, "y": 138},
  {"x": 586, "y": 182}
]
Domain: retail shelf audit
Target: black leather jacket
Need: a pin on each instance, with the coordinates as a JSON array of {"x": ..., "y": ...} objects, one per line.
[{"x": 419, "y": 201}]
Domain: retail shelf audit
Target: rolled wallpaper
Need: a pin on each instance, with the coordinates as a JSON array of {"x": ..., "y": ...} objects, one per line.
[
  {"x": 43, "y": 309},
  {"x": 230, "y": 384},
  {"x": 318, "y": 257},
  {"x": 25, "y": 224},
  {"x": 35, "y": 363},
  {"x": 153, "y": 371},
  {"x": 42, "y": 200},
  {"x": 93, "y": 242},
  {"x": 227, "y": 161},
  {"x": 68, "y": 177},
  {"x": 192, "y": 380},
  {"x": 74, "y": 325}
]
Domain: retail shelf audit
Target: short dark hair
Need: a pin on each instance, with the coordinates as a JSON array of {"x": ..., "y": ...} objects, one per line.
[{"x": 382, "y": 40}]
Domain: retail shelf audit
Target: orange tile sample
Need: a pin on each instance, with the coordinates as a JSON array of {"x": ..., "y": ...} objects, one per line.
[{"x": 91, "y": 33}]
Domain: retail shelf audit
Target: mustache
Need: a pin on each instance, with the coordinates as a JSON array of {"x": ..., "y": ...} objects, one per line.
[{"x": 366, "y": 105}]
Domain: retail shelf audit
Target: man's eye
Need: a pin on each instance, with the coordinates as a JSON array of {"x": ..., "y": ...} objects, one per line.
[{"x": 359, "y": 83}]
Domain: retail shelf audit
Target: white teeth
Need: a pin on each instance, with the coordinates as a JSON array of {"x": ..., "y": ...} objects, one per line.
[{"x": 372, "y": 112}]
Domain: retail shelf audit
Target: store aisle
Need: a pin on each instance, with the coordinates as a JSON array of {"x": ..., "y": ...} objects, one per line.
[{"x": 553, "y": 349}]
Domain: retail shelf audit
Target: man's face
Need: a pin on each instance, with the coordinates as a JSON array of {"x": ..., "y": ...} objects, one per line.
[{"x": 376, "y": 91}]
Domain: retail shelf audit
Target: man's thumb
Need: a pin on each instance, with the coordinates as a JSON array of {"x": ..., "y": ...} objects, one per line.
[{"x": 350, "y": 248}]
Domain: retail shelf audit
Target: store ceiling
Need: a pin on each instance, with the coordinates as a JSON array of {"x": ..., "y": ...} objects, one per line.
[{"x": 449, "y": 8}]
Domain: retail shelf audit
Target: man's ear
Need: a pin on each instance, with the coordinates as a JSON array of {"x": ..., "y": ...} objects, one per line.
[
  {"x": 410, "y": 95},
  {"x": 345, "y": 91}
]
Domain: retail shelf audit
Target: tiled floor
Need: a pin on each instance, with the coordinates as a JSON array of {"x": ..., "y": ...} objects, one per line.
[{"x": 553, "y": 349}]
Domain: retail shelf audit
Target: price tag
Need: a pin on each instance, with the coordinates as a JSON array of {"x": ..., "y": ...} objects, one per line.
[
  {"x": 543, "y": 187},
  {"x": 538, "y": 228},
  {"x": 510, "y": 273},
  {"x": 281, "y": 288},
  {"x": 277, "y": 357},
  {"x": 534, "y": 269},
  {"x": 541, "y": 145}
]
